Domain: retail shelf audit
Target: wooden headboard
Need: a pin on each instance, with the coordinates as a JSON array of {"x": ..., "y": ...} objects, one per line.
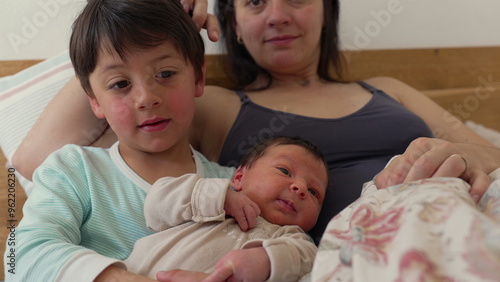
[{"x": 465, "y": 81}]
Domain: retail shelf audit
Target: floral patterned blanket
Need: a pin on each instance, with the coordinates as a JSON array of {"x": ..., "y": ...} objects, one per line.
[{"x": 428, "y": 230}]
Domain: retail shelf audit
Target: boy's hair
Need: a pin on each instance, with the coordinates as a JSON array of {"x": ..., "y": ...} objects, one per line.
[
  {"x": 124, "y": 26},
  {"x": 260, "y": 149}
]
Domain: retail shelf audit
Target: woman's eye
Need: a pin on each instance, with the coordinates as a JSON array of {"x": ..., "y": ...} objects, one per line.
[
  {"x": 255, "y": 3},
  {"x": 284, "y": 170},
  {"x": 313, "y": 192},
  {"x": 121, "y": 84},
  {"x": 165, "y": 74}
]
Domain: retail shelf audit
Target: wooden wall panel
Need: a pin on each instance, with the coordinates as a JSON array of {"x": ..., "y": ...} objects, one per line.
[{"x": 427, "y": 69}]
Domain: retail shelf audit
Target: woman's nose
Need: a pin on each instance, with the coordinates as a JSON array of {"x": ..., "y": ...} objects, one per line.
[{"x": 277, "y": 13}]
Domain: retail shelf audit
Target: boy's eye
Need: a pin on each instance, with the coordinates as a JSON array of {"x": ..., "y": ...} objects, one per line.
[
  {"x": 284, "y": 170},
  {"x": 121, "y": 84},
  {"x": 165, "y": 74}
]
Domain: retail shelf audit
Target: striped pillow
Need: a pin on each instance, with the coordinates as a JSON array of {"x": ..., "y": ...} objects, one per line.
[{"x": 23, "y": 96}]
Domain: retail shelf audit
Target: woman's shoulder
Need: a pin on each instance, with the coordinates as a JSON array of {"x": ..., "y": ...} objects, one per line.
[
  {"x": 215, "y": 113},
  {"x": 392, "y": 86},
  {"x": 385, "y": 82},
  {"x": 214, "y": 97},
  {"x": 218, "y": 90}
]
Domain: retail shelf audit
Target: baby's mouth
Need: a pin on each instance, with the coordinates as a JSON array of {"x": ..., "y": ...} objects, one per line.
[{"x": 287, "y": 205}]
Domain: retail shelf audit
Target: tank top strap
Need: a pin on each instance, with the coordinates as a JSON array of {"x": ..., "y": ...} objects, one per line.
[
  {"x": 243, "y": 97},
  {"x": 368, "y": 87}
]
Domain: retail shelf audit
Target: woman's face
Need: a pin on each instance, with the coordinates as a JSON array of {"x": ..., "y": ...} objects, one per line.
[{"x": 281, "y": 35}]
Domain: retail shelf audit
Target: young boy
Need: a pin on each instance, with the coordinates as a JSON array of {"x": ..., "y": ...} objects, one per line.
[
  {"x": 284, "y": 180},
  {"x": 141, "y": 64}
]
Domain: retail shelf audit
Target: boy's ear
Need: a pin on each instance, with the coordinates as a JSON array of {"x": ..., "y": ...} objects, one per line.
[
  {"x": 237, "y": 178},
  {"x": 200, "y": 82},
  {"x": 96, "y": 107}
]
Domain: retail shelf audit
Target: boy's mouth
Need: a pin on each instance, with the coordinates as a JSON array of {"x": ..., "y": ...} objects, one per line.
[{"x": 155, "y": 124}]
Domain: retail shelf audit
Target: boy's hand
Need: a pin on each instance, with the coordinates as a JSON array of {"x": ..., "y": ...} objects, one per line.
[
  {"x": 242, "y": 265},
  {"x": 244, "y": 210}
]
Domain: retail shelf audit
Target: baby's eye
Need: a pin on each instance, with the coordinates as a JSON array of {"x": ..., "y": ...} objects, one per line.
[
  {"x": 165, "y": 74},
  {"x": 284, "y": 170},
  {"x": 313, "y": 192},
  {"x": 121, "y": 84}
]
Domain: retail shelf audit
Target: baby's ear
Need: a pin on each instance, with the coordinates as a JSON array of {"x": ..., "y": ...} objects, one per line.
[{"x": 237, "y": 178}]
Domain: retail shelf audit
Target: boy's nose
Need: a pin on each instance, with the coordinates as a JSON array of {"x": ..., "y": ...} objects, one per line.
[{"x": 147, "y": 98}]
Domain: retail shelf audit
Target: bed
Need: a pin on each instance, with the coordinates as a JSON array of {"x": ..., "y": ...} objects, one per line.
[{"x": 465, "y": 81}]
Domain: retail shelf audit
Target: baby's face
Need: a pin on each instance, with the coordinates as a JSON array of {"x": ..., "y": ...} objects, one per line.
[{"x": 289, "y": 184}]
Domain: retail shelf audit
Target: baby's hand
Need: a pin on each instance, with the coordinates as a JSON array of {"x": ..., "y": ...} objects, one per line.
[{"x": 244, "y": 210}]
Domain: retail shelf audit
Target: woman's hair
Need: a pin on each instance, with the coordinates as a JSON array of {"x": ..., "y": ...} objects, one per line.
[
  {"x": 124, "y": 26},
  {"x": 242, "y": 68},
  {"x": 260, "y": 149}
]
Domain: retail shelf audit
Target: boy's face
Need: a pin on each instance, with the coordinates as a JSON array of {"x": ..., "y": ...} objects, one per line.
[
  {"x": 288, "y": 183},
  {"x": 148, "y": 98}
]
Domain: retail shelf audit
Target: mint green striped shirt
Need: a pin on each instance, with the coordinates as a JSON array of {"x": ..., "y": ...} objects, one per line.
[{"x": 84, "y": 214}]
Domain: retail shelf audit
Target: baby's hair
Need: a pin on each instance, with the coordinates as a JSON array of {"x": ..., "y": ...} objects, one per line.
[
  {"x": 125, "y": 26},
  {"x": 260, "y": 149}
]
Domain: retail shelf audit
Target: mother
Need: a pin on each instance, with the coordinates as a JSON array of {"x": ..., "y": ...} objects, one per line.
[{"x": 284, "y": 60}]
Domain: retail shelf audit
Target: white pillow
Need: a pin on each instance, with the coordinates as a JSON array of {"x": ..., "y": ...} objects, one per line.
[{"x": 23, "y": 96}]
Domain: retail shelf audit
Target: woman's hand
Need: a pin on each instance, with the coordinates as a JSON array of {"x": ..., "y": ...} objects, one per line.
[
  {"x": 198, "y": 9},
  {"x": 430, "y": 157}
]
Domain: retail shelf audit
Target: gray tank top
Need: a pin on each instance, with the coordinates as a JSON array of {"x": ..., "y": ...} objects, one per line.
[{"x": 356, "y": 147}]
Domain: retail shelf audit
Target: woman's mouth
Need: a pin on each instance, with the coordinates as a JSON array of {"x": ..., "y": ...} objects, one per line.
[{"x": 280, "y": 40}]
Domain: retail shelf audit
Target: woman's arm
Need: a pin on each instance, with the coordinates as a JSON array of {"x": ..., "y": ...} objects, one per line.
[
  {"x": 67, "y": 119},
  {"x": 427, "y": 157},
  {"x": 210, "y": 127}
]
